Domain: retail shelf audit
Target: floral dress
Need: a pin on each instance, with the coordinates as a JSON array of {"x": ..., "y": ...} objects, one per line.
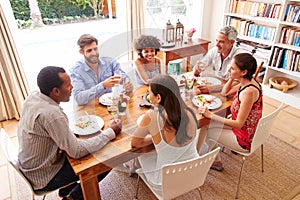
[{"x": 246, "y": 133}]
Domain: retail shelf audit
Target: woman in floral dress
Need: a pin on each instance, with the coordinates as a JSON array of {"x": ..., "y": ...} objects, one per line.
[{"x": 246, "y": 108}]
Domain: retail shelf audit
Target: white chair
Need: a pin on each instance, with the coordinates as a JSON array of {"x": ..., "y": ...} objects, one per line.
[
  {"x": 261, "y": 135},
  {"x": 11, "y": 155},
  {"x": 130, "y": 69},
  {"x": 181, "y": 177}
]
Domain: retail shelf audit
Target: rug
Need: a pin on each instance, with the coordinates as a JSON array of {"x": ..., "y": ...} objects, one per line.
[{"x": 280, "y": 180}]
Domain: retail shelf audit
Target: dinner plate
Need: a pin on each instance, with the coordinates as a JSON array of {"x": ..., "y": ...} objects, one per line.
[
  {"x": 145, "y": 102},
  {"x": 214, "y": 102},
  {"x": 106, "y": 99},
  {"x": 88, "y": 124},
  {"x": 209, "y": 81}
]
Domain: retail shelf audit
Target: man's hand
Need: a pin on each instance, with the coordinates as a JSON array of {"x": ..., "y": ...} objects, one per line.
[
  {"x": 111, "y": 81},
  {"x": 201, "y": 89},
  {"x": 127, "y": 86},
  {"x": 116, "y": 126}
]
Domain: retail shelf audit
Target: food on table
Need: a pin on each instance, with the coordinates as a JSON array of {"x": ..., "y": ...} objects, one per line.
[
  {"x": 205, "y": 82},
  {"x": 204, "y": 100},
  {"x": 148, "y": 98},
  {"x": 83, "y": 122}
]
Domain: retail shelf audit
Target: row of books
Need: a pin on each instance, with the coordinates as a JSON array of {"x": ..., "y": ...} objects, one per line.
[
  {"x": 285, "y": 58},
  {"x": 251, "y": 29},
  {"x": 256, "y": 9},
  {"x": 292, "y": 13},
  {"x": 290, "y": 35}
]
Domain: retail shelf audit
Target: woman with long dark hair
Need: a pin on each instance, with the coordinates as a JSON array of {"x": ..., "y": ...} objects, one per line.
[{"x": 171, "y": 126}]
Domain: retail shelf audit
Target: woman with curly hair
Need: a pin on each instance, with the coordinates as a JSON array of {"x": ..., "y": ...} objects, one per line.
[{"x": 147, "y": 64}]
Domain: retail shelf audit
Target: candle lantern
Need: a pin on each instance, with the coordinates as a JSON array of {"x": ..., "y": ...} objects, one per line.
[
  {"x": 179, "y": 31},
  {"x": 169, "y": 32}
]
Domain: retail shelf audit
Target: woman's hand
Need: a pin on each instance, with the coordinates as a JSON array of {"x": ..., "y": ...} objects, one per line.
[{"x": 205, "y": 111}]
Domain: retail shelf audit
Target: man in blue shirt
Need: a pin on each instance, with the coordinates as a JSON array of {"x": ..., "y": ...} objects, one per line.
[{"x": 93, "y": 76}]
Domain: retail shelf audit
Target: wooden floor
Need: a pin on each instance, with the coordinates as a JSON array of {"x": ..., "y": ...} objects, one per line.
[{"x": 286, "y": 127}]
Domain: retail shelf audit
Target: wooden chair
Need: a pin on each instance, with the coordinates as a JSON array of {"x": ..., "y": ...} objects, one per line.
[
  {"x": 258, "y": 70},
  {"x": 261, "y": 135},
  {"x": 181, "y": 177},
  {"x": 11, "y": 155}
]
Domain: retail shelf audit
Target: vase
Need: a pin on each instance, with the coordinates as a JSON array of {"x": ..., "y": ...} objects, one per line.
[{"x": 189, "y": 35}]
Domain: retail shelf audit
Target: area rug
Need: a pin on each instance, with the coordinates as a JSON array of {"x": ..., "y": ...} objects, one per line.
[{"x": 280, "y": 180}]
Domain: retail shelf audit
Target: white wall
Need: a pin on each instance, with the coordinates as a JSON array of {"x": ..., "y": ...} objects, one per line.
[{"x": 213, "y": 19}]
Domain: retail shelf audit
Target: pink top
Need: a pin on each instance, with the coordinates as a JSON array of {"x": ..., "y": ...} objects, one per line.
[{"x": 246, "y": 133}]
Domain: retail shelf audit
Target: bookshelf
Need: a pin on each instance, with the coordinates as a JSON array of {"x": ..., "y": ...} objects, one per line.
[{"x": 270, "y": 30}]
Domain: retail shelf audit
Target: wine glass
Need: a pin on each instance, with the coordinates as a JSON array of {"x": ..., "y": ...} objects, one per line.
[
  {"x": 113, "y": 110},
  {"x": 202, "y": 67}
]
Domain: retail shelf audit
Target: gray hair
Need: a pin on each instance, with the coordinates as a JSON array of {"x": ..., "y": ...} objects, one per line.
[{"x": 230, "y": 31}]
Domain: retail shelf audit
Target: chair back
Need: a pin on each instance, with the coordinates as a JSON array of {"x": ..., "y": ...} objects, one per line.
[
  {"x": 258, "y": 70},
  {"x": 130, "y": 69},
  {"x": 181, "y": 177},
  {"x": 263, "y": 129},
  {"x": 11, "y": 154}
]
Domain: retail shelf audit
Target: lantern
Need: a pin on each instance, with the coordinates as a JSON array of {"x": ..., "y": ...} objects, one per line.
[
  {"x": 168, "y": 32},
  {"x": 179, "y": 31}
]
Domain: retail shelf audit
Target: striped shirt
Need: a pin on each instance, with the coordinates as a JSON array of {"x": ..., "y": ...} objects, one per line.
[{"x": 43, "y": 131}]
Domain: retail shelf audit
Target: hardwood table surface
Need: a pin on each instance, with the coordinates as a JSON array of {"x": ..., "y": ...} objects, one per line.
[
  {"x": 119, "y": 150},
  {"x": 183, "y": 49}
]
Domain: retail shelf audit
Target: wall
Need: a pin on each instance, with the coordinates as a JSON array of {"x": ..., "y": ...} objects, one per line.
[{"x": 212, "y": 19}]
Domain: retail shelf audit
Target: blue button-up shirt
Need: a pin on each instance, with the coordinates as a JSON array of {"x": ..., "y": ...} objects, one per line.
[{"x": 86, "y": 85}]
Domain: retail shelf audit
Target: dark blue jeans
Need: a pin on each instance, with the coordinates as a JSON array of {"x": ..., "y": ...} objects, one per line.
[{"x": 66, "y": 176}]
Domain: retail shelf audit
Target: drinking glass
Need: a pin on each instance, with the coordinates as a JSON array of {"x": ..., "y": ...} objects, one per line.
[
  {"x": 202, "y": 67},
  {"x": 113, "y": 110}
]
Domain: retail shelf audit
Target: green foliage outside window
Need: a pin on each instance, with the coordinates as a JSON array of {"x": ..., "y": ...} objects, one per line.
[{"x": 52, "y": 11}]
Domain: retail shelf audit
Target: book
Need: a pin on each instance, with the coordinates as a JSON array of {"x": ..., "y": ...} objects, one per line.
[{"x": 279, "y": 59}]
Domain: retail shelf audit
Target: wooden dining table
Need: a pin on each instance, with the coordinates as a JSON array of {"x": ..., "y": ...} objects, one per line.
[{"x": 119, "y": 150}]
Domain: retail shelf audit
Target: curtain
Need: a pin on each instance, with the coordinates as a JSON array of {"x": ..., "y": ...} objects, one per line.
[
  {"x": 13, "y": 85},
  {"x": 135, "y": 22}
]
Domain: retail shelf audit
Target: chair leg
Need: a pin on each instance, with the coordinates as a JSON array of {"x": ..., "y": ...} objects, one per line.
[
  {"x": 137, "y": 188},
  {"x": 262, "y": 158},
  {"x": 199, "y": 190},
  {"x": 239, "y": 181}
]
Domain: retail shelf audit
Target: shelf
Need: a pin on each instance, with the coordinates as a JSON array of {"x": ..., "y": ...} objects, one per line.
[
  {"x": 256, "y": 40},
  {"x": 287, "y": 46},
  {"x": 288, "y": 72},
  {"x": 263, "y": 20},
  {"x": 289, "y": 52},
  {"x": 291, "y": 97}
]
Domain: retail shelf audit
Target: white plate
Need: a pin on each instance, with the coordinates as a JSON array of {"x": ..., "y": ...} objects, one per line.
[
  {"x": 106, "y": 99},
  {"x": 88, "y": 124},
  {"x": 209, "y": 81},
  {"x": 215, "y": 101}
]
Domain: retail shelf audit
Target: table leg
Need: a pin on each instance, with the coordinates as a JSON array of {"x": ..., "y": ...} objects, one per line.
[
  {"x": 90, "y": 188},
  {"x": 188, "y": 64}
]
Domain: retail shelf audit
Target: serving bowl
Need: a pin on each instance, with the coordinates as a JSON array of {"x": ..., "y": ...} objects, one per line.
[{"x": 282, "y": 83}]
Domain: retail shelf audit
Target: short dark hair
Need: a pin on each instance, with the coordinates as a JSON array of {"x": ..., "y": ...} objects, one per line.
[
  {"x": 86, "y": 39},
  {"x": 245, "y": 61},
  {"x": 48, "y": 78}
]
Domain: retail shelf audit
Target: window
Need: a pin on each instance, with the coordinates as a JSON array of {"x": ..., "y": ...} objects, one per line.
[{"x": 158, "y": 12}]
